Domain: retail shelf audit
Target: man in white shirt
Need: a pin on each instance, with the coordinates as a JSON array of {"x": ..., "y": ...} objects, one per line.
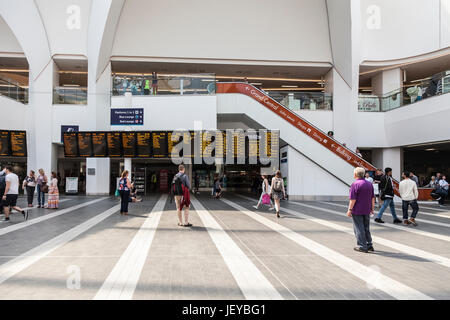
[
  {"x": 369, "y": 178},
  {"x": 11, "y": 194},
  {"x": 409, "y": 194}
]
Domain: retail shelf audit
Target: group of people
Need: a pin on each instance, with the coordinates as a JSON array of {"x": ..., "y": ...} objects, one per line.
[
  {"x": 440, "y": 188},
  {"x": 362, "y": 203},
  {"x": 275, "y": 191},
  {"x": 138, "y": 86},
  {"x": 9, "y": 191}
]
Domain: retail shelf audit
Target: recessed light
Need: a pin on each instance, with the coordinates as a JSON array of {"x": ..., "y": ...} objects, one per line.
[
  {"x": 430, "y": 149},
  {"x": 288, "y": 86}
]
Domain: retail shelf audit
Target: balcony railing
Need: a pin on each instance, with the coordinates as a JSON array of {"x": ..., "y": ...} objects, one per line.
[
  {"x": 435, "y": 85},
  {"x": 303, "y": 100},
  {"x": 13, "y": 90},
  {"x": 164, "y": 84},
  {"x": 69, "y": 95}
]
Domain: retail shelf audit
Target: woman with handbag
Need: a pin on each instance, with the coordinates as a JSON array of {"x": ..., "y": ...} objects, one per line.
[
  {"x": 265, "y": 194},
  {"x": 29, "y": 184},
  {"x": 42, "y": 188},
  {"x": 277, "y": 190},
  {"x": 53, "y": 193},
  {"x": 124, "y": 190}
]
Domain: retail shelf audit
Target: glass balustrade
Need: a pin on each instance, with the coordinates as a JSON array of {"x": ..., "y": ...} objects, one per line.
[
  {"x": 303, "y": 100},
  {"x": 13, "y": 90},
  {"x": 435, "y": 85},
  {"x": 69, "y": 95}
]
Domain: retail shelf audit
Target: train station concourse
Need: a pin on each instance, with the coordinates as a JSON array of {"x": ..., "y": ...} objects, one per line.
[{"x": 202, "y": 150}]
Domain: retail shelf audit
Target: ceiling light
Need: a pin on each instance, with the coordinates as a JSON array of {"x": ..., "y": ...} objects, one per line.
[
  {"x": 70, "y": 85},
  {"x": 430, "y": 149},
  {"x": 288, "y": 86},
  {"x": 256, "y": 83}
]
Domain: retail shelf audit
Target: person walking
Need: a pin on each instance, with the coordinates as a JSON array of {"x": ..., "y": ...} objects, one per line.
[
  {"x": 53, "y": 192},
  {"x": 41, "y": 187},
  {"x": 29, "y": 184},
  {"x": 124, "y": 191},
  {"x": 180, "y": 190},
  {"x": 11, "y": 193},
  {"x": 386, "y": 187},
  {"x": 2, "y": 186},
  {"x": 277, "y": 190},
  {"x": 376, "y": 185},
  {"x": 409, "y": 194},
  {"x": 360, "y": 207},
  {"x": 265, "y": 193},
  {"x": 217, "y": 187},
  {"x": 443, "y": 190},
  {"x": 414, "y": 178}
]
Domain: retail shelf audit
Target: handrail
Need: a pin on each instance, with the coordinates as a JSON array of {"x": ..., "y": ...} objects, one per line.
[{"x": 306, "y": 127}]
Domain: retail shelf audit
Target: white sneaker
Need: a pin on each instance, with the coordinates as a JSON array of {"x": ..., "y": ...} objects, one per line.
[
  {"x": 256, "y": 207},
  {"x": 272, "y": 208}
]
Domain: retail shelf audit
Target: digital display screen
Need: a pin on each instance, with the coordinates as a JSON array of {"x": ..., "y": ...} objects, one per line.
[
  {"x": 85, "y": 144},
  {"x": 160, "y": 144},
  {"x": 129, "y": 144},
  {"x": 99, "y": 144},
  {"x": 114, "y": 144},
  {"x": 177, "y": 137},
  {"x": 70, "y": 144},
  {"x": 143, "y": 144},
  {"x": 4, "y": 143},
  {"x": 18, "y": 143}
]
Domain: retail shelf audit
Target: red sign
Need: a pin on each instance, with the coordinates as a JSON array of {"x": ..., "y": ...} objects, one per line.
[
  {"x": 163, "y": 180},
  {"x": 301, "y": 124}
]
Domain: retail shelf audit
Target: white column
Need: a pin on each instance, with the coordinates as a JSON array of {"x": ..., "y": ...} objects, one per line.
[
  {"x": 389, "y": 157},
  {"x": 40, "y": 121},
  {"x": 97, "y": 172},
  {"x": 127, "y": 165},
  {"x": 387, "y": 81}
]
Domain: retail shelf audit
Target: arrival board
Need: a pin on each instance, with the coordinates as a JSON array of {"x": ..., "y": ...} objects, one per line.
[
  {"x": 4, "y": 143},
  {"x": 85, "y": 144},
  {"x": 70, "y": 140},
  {"x": 159, "y": 144},
  {"x": 129, "y": 144},
  {"x": 143, "y": 144},
  {"x": 18, "y": 143},
  {"x": 99, "y": 144},
  {"x": 114, "y": 140}
]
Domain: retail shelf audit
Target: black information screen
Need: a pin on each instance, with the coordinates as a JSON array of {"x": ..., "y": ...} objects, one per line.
[
  {"x": 143, "y": 144},
  {"x": 114, "y": 144},
  {"x": 70, "y": 144},
  {"x": 85, "y": 144},
  {"x": 4, "y": 143},
  {"x": 99, "y": 144},
  {"x": 18, "y": 143},
  {"x": 159, "y": 144},
  {"x": 129, "y": 144}
]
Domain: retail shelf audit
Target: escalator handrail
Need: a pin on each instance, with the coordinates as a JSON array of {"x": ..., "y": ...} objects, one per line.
[{"x": 303, "y": 125}]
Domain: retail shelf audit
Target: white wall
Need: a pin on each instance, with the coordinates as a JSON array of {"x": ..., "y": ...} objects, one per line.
[
  {"x": 406, "y": 28},
  {"x": 172, "y": 112},
  {"x": 322, "y": 119},
  {"x": 65, "y": 36},
  {"x": 308, "y": 181},
  {"x": 18, "y": 114},
  {"x": 66, "y": 114},
  {"x": 420, "y": 122},
  {"x": 8, "y": 42},
  {"x": 284, "y": 30}
]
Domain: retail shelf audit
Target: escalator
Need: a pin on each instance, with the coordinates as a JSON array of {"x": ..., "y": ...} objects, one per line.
[{"x": 301, "y": 135}]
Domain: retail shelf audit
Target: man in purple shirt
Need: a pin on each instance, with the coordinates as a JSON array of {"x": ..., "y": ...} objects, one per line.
[{"x": 360, "y": 207}]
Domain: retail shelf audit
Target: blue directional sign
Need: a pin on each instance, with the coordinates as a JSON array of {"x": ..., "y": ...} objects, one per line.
[{"x": 127, "y": 116}]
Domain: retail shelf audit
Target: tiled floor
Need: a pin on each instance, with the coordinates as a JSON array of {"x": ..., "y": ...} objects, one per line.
[{"x": 87, "y": 250}]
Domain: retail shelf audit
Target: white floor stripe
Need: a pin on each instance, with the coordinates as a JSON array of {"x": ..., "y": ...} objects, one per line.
[
  {"x": 385, "y": 242},
  {"x": 253, "y": 284},
  {"x": 30, "y": 222},
  {"x": 402, "y": 228},
  {"x": 34, "y": 207},
  {"x": 378, "y": 280},
  {"x": 12, "y": 267},
  {"x": 417, "y": 219},
  {"x": 122, "y": 280},
  {"x": 433, "y": 209}
]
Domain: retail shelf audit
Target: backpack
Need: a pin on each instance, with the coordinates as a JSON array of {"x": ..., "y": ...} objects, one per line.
[
  {"x": 278, "y": 185},
  {"x": 3, "y": 182},
  {"x": 177, "y": 186}
]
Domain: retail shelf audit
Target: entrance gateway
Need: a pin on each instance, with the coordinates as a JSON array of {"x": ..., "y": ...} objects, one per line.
[{"x": 238, "y": 156}]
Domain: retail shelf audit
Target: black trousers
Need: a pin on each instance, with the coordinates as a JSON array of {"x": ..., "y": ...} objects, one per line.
[
  {"x": 414, "y": 206},
  {"x": 124, "y": 196},
  {"x": 30, "y": 194},
  {"x": 443, "y": 195}
]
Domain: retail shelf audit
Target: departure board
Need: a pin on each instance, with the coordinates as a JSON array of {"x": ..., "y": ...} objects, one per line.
[
  {"x": 252, "y": 149},
  {"x": 99, "y": 144},
  {"x": 85, "y": 144},
  {"x": 160, "y": 144},
  {"x": 188, "y": 144},
  {"x": 239, "y": 145},
  {"x": 18, "y": 143},
  {"x": 114, "y": 144},
  {"x": 129, "y": 144},
  {"x": 143, "y": 144},
  {"x": 70, "y": 144},
  {"x": 4, "y": 143},
  {"x": 177, "y": 137}
]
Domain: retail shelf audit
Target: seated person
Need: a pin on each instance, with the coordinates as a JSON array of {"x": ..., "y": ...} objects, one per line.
[{"x": 133, "y": 195}]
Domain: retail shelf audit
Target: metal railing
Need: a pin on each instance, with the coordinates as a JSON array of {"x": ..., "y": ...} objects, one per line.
[
  {"x": 303, "y": 100},
  {"x": 13, "y": 90},
  {"x": 69, "y": 95},
  {"x": 435, "y": 85},
  {"x": 164, "y": 84}
]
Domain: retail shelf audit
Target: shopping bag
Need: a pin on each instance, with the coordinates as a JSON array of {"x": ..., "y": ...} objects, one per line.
[
  {"x": 266, "y": 198},
  {"x": 117, "y": 193}
]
